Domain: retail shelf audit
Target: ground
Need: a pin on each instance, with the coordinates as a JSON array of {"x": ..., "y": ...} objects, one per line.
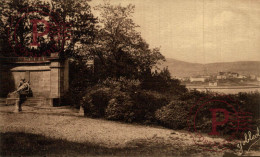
[{"x": 63, "y": 131}]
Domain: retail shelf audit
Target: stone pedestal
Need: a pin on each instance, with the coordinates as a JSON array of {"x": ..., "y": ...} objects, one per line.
[
  {"x": 81, "y": 111},
  {"x": 17, "y": 106}
]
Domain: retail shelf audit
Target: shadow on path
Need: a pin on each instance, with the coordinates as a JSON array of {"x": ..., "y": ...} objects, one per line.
[{"x": 24, "y": 144}]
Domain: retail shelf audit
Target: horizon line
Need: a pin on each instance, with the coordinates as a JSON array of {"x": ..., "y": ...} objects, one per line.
[{"x": 212, "y": 62}]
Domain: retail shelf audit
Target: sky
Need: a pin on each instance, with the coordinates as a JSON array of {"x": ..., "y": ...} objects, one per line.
[{"x": 199, "y": 31}]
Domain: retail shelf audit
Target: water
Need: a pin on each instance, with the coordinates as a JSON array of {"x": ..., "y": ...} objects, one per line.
[{"x": 226, "y": 89}]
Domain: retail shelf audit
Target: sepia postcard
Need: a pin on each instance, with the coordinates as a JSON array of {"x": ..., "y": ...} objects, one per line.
[{"x": 130, "y": 78}]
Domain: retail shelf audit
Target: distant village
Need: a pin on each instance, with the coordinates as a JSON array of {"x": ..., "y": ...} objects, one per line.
[{"x": 222, "y": 78}]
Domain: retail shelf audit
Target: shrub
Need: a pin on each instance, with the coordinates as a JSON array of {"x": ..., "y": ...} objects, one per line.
[
  {"x": 122, "y": 100},
  {"x": 146, "y": 103},
  {"x": 249, "y": 102},
  {"x": 174, "y": 115},
  {"x": 122, "y": 84},
  {"x": 120, "y": 107},
  {"x": 110, "y": 99},
  {"x": 96, "y": 101},
  {"x": 192, "y": 95}
]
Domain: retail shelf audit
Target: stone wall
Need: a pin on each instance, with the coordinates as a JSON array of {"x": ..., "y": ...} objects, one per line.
[{"x": 40, "y": 83}]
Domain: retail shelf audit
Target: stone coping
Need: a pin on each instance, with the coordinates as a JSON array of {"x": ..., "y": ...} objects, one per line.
[
  {"x": 29, "y": 59},
  {"x": 24, "y": 59}
]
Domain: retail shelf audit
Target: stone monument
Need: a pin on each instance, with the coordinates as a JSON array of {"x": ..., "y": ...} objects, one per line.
[{"x": 48, "y": 76}]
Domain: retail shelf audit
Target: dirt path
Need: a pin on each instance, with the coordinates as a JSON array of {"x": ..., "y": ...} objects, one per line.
[
  {"x": 76, "y": 128},
  {"x": 64, "y": 123}
]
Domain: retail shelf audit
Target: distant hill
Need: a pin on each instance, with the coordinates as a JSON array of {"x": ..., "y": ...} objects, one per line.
[{"x": 185, "y": 69}]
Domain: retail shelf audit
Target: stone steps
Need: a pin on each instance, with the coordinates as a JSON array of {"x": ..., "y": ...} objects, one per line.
[
  {"x": 31, "y": 101},
  {"x": 38, "y": 101},
  {"x": 2, "y": 101}
]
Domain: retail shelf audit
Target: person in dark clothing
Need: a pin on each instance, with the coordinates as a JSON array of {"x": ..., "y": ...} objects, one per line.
[{"x": 22, "y": 81}]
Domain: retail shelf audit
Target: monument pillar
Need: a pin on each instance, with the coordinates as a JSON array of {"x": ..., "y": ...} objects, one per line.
[{"x": 57, "y": 69}]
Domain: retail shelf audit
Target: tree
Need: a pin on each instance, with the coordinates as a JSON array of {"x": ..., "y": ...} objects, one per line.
[
  {"x": 9, "y": 9},
  {"x": 119, "y": 48},
  {"x": 73, "y": 21},
  {"x": 82, "y": 22},
  {"x": 163, "y": 83}
]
